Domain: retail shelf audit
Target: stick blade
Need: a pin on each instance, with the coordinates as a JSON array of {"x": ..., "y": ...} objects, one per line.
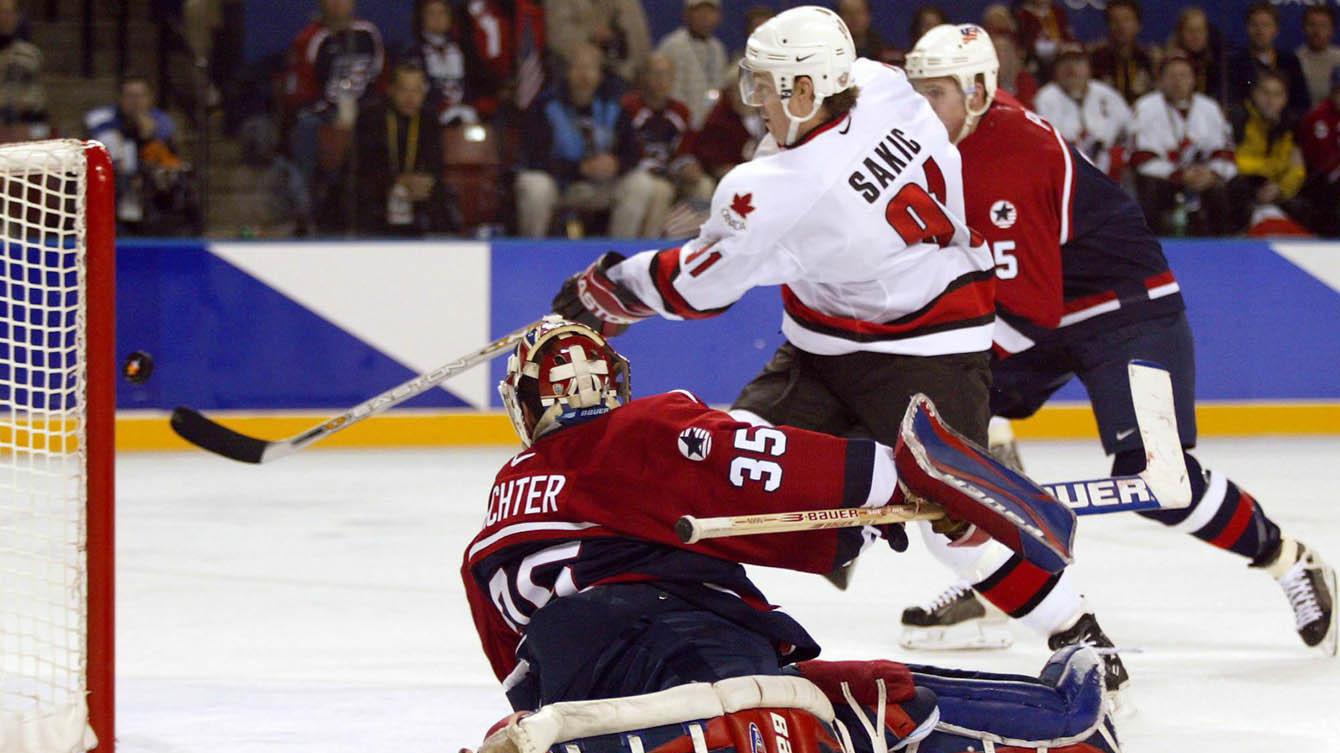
[
  {"x": 1156, "y": 415},
  {"x": 194, "y": 427}
]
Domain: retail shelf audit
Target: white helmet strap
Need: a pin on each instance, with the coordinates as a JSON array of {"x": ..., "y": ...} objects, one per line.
[
  {"x": 974, "y": 115},
  {"x": 796, "y": 121}
]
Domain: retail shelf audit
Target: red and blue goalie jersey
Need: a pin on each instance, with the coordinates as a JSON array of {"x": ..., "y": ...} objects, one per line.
[
  {"x": 596, "y": 503},
  {"x": 1070, "y": 245}
]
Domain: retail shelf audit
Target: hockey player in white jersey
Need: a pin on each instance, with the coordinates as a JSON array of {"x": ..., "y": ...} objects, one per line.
[{"x": 858, "y": 216}]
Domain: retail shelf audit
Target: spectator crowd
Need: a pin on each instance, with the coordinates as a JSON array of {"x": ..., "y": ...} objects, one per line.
[{"x": 549, "y": 117}]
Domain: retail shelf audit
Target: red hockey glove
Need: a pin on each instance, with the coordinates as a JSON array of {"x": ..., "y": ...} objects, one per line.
[{"x": 590, "y": 297}]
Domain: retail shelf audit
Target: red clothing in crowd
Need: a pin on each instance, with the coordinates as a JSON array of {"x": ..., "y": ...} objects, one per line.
[{"x": 1319, "y": 137}]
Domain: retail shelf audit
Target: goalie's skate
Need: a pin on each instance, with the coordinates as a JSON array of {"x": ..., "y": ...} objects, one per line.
[
  {"x": 1087, "y": 632},
  {"x": 955, "y": 620},
  {"x": 1309, "y": 585}
]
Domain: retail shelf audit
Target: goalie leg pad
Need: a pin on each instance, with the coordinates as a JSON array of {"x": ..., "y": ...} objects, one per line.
[
  {"x": 752, "y": 731},
  {"x": 1061, "y": 710},
  {"x": 877, "y": 702},
  {"x": 937, "y": 464},
  {"x": 754, "y": 714}
]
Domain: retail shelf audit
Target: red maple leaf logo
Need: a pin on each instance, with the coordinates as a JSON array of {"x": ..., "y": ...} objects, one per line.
[{"x": 741, "y": 204}]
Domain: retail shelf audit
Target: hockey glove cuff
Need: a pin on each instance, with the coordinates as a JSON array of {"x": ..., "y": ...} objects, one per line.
[{"x": 590, "y": 297}]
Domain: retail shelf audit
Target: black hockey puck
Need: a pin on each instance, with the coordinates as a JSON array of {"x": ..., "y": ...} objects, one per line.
[{"x": 138, "y": 367}]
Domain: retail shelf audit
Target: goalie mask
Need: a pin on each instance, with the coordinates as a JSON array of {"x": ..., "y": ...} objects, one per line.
[
  {"x": 807, "y": 41},
  {"x": 561, "y": 373}
]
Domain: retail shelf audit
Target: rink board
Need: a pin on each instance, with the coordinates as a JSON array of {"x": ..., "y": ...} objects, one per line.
[{"x": 272, "y": 337}]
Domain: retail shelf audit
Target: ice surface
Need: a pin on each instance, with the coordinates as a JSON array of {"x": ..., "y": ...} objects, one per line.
[{"x": 315, "y": 605}]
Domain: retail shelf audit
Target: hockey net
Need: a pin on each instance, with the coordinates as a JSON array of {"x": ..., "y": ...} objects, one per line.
[{"x": 56, "y": 412}]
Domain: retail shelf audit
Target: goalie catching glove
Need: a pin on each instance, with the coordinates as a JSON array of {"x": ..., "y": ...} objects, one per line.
[{"x": 590, "y": 297}]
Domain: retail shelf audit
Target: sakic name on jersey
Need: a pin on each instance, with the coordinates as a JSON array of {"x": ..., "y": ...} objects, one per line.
[{"x": 906, "y": 147}]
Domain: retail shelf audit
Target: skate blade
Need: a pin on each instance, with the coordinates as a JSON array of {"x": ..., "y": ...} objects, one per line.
[{"x": 974, "y": 635}]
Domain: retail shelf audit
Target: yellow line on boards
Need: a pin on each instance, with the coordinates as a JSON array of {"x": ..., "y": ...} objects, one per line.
[{"x": 137, "y": 430}]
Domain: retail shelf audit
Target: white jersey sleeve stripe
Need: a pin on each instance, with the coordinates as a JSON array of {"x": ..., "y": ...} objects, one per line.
[{"x": 1067, "y": 190}]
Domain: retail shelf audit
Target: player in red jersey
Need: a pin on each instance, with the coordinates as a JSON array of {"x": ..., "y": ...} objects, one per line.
[
  {"x": 580, "y": 589},
  {"x": 1083, "y": 287}
]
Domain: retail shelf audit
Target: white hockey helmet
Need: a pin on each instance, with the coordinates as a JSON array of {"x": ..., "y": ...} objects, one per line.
[
  {"x": 806, "y": 41},
  {"x": 562, "y": 371},
  {"x": 964, "y": 53}
]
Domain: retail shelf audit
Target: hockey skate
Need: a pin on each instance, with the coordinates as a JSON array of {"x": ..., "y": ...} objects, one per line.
[
  {"x": 955, "y": 620},
  {"x": 1309, "y": 584},
  {"x": 1002, "y": 445},
  {"x": 1087, "y": 632}
]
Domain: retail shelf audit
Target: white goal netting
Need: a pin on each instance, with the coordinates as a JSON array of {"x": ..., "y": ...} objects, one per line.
[{"x": 43, "y": 491}]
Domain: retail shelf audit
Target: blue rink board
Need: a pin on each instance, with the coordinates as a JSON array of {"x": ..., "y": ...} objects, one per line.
[{"x": 1265, "y": 330}]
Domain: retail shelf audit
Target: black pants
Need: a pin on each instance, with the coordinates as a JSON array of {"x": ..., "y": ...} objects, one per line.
[
  {"x": 1216, "y": 215},
  {"x": 866, "y": 394}
]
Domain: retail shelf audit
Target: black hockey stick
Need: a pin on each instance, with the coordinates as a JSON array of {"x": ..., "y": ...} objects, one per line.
[{"x": 201, "y": 431}]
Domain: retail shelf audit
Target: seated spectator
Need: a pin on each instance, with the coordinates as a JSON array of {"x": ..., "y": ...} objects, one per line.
[
  {"x": 335, "y": 66},
  {"x": 999, "y": 21},
  {"x": 1319, "y": 138},
  {"x": 1043, "y": 28},
  {"x": 699, "y": 58},
  {"x": 398, "y": 145},
  {"x": 1270, "y": 164},
  {"x": 1196, "y": 40},
  {"x": 504, "y": 39},
  {"x": 1089, "y": 114},
  {"x": 1261, "y": 55},
  {"x": 618, "y": 28},
  {"x": 280, "y": 207},
  {"x": 869, "y": 43},
  {"x": 1318, "y": 55},
  {"x": 729, "y": 136},
  {"x": 754, "y": 17},
  {"x": 437, "y": 52},
  {"x": 659, "y": 123},
  {"x": 1013, "y": 76},
  {"x": 1182, "y": 156},
  {"x": 154, "y": 190},
  {"x": 23, "y": 101},
  {"x": 1121, "y": 61},
  {"x": 575, "y": 156},
  {"x": 925, "y": 18}
]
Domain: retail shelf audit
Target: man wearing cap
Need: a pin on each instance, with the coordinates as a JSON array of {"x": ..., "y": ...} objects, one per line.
[
  {"x": 699, "y": 58},
  {"x": 1319, "y": 137}
]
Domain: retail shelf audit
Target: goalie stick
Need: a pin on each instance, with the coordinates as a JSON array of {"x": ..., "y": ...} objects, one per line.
[
  {"x": 1163, "y": 484},
  {"x": 207, "y": 434}
]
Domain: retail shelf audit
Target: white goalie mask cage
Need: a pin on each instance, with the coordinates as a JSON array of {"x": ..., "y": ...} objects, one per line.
[
  {"x": 568, "y": 369},
  {"x": 807, "y": 41},
  {"x": 963, "y": 52}
]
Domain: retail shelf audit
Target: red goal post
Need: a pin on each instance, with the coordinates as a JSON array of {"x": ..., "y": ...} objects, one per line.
[{"x": 57, "y": 413}]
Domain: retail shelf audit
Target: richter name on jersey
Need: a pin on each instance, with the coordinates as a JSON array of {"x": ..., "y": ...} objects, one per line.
[{"x": 528, "y": 495}]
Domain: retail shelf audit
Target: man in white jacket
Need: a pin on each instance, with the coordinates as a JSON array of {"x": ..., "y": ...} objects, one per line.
[
  {"x": 1089, "y": 114},
  {"x": 1183, "y": 156}
]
